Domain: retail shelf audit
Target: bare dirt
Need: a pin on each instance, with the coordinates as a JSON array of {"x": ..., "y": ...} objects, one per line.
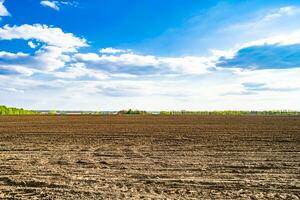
[{"x": 149, "y": 157}]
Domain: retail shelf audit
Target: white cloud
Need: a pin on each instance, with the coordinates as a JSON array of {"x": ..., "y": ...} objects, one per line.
[
  {"x": 224, "y": 53},
  {"x": 273, "y": 78},
  {"x": 10, "y": 56},
  {"x": 130, "y": 62},
  {"x": 43, "y": 33},
  {"x": 161, "y": 94},
  {"x": 281, "y": 39},
  {"x": 278, "y": 26},
  {"x": 262, "y": 27},
  {"x": 69, "y": 3},
  {"x": 56, "y": 5},
  {"x": 32, "y": 45},
  {"x": 13, "y": 90},
  {"x": 80, "y": 70},
  {"x": 283, "y": 11},
  {"x": 54, "y": 53},
  {"x": 17, "y": 70},
  {"x": 188, "y": 65},
  {"x": 111, "y": 50},
  {"x": 3, "y": 11},
  {"x": 48, "y": 58},
  {"x": 50, "y": 4},
  {"x": 120, "y": 60}
]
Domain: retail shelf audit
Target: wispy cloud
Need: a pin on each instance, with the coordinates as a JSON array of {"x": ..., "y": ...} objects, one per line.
[
  {"x": 13, "y": 90},
  {"x": 57, "y": 4},
  {"x": 283, "y": 11},
  {"x": 268, "y": 26},
  {"x": 258, "y": 87},
  {"x": 50, "y": 4}
]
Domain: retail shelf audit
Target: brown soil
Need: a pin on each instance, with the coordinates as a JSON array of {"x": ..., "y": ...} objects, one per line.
[{"x": 149, "y": 157}]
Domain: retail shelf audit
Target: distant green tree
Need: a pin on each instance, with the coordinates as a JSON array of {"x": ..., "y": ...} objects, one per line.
[
  {"x": 132, "y": 112},
  {"x": 52, "y": 112},
  {"x": 15, "y": 111}
]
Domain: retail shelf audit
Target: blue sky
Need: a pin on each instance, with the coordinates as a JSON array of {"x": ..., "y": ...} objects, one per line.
[{"x": 152, "y": 55}]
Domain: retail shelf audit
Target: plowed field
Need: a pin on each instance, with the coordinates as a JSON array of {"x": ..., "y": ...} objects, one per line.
[{"x": 149, "y": 157}]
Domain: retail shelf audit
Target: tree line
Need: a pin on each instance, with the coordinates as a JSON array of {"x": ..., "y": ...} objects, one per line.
[
  {"x": 225, "y": 112},
  {"x": 231, "y": 112},
  {"x": 4, "y": 110},
  {"x": 15, "y": 111}
]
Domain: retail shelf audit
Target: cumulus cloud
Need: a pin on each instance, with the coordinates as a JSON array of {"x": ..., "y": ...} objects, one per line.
[
  {"x": 48, "y": 58},
  {"x": 3, "y": 11},
  {"x": 54, "y": 52},
  {"x": 132, "y": 63},
  {"x": 43, "y": 33}
]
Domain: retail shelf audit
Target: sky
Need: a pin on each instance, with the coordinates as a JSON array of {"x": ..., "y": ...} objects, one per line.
[{"x": 150, "y": 55}]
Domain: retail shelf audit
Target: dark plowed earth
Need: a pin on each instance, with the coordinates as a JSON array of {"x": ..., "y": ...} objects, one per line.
[{"x": 149, "y": 157}]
